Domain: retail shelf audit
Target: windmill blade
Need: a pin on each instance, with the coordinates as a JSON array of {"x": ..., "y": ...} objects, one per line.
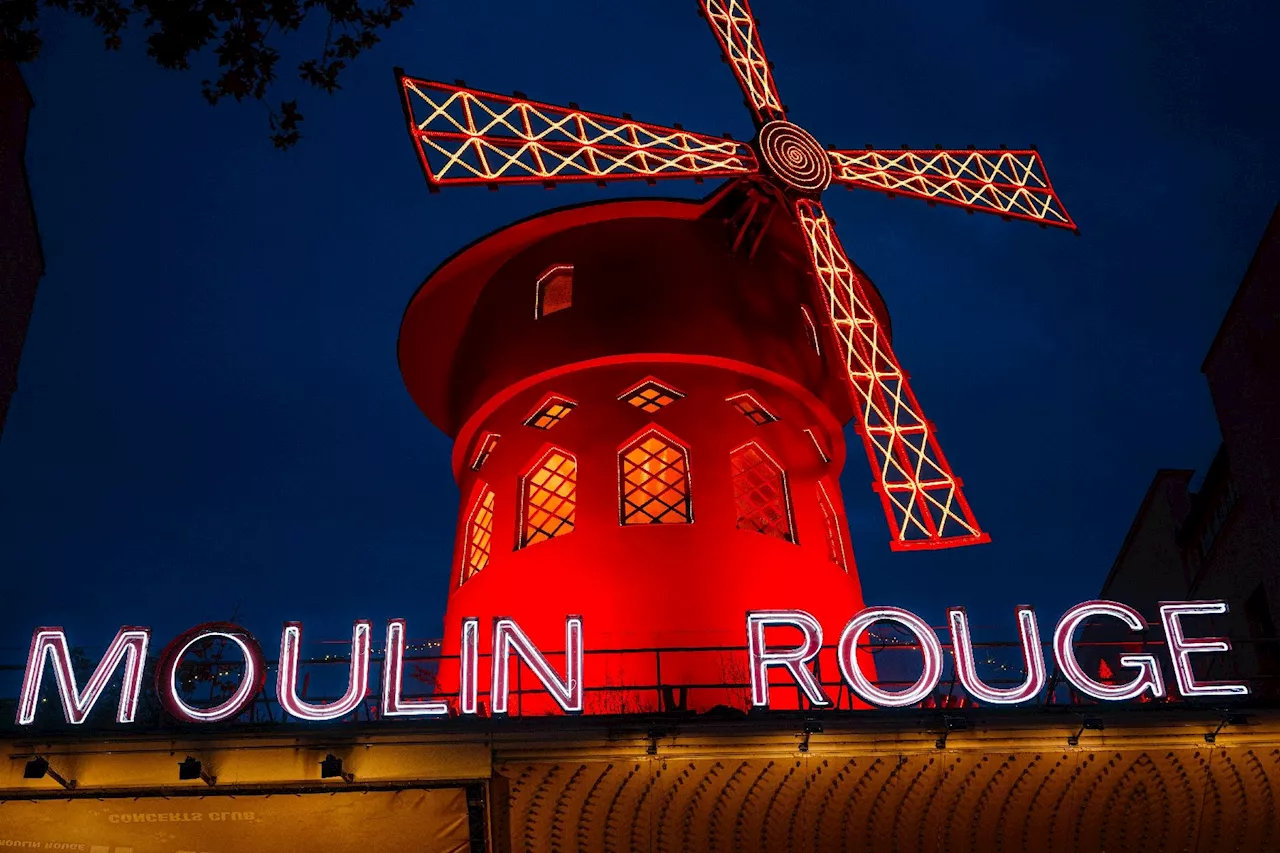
[
  {"x": 1009, "y": 183},
  {"x": 922, "y": 499},
  {"x": 465, "y": 136},
  {"x": 735, "y": 29}
]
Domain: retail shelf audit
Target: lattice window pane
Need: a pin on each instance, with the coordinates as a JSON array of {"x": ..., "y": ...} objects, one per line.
[
  {"x": 487, "y": 445},
  {"x": 831, "y": 523},
  {"x": 760, "y": 494},
  {"x": 651, "y": 396},
  {"x": 655, "y": 482},
  {"x": 555, "y": 290},
  {"x": 479, "y": 535},
  {"x": 550, "y": 413},
  {"x": 551, "y": 497},
  {"x": 752, "y": 409}
]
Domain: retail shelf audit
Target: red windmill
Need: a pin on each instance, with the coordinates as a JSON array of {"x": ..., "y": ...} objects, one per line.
[{"x": 465, "y": 136}]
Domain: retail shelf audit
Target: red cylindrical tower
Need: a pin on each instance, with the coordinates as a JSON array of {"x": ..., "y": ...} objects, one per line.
[{"x": 647, "y": 433}]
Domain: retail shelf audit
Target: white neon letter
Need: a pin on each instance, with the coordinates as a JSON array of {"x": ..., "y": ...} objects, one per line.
[
  {"x": 507, "y": 637},
  {"x": 1032, "y": 659},
  {"x": 1149, "y": 676},
  {"x": 251, "y": 681},
  {"x": 930, "y": 650},
  {"x": 357, "y": 682},
  {"x": 130, "y": 645},
  {"x": 393, "y": 705},
  {"x": 1181, "y": 648},
  {"x": 469, "y": 667},
  {"x": 794, "y": 659}
]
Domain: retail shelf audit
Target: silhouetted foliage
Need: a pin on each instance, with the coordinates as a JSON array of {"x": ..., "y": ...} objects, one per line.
[{"x": 241, "y": 32}]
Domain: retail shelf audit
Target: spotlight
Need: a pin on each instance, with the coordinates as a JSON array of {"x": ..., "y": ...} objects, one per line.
[
  {"x": 1228, "y": 719},
  {"x": 38, "y": 768},
  {"x": 189, "y": 768},
  {"x": 811, "y": 727},
  {"x": 1091, "y": 724},
  {"x": 331, "y": 768}
]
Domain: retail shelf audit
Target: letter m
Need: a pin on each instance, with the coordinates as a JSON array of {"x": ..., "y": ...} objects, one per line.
[{"x": 50, "y": 644}]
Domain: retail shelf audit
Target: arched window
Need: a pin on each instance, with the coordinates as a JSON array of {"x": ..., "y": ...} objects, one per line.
[
  {"x": 550, "y": 492},
  {"x": 479, "y": 533},
  {"x": 813, "y": 329},
  {"x": 752, "y": 409},
  {"x": 760, "y": 493},
  {"x": 831, "y": 523},
  {"x": 554, "y": 290},
  {"x": 653, "y": 473},
  {"x": 484, "y": 448},
  {"x": 550, "y": 412},
  {"x": 651, "y": 395}
]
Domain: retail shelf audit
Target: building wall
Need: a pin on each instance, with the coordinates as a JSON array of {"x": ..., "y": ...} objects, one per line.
[
  {"x": 21, "y": 263},
  {"x": 1223, "y": 541}
]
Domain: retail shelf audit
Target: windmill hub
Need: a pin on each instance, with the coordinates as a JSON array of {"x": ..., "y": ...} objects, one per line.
[{"x": 794, "y": 156}]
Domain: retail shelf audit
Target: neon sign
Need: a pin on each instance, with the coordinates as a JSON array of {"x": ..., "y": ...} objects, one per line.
[{"x": 50, "y": 650}]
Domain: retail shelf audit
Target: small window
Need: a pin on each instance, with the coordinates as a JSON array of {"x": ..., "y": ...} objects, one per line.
[
  {"x": 479, "y": 534},
  {"x": 831, "y": 521},
  {"x": 760, "y": 493},
  {"x": 550, "y": 491},
  {"x": 554, "y": 290},
  {"x": 813, "y": 329},
  {"x": 653, "y": 473},
  {"x": 484, "y": 449},
  {"x": 651, "y": 396},
  {"x": 551, "y": 412},
  {"x": 752, "y": 409},
  {"x": 822, "y": 451}
]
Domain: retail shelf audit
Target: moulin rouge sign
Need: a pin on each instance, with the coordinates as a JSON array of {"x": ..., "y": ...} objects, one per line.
[{"x": 51, "y": 651}]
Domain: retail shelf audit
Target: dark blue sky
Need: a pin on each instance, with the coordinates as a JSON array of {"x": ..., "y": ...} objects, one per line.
[{"x": 210, "y": 414}]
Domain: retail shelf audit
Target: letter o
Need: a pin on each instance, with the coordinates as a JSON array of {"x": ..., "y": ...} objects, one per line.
[
  {"x": 255, "y": 673},
  {"x": 930, "y": 649}
]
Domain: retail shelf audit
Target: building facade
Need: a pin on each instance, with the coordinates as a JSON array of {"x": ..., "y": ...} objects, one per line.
[
  {"x": 21, "y": 262},
  {"x": 1222, "y": 540}
]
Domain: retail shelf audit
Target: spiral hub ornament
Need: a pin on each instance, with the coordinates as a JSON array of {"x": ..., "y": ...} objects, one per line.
[{"x": 794, "y": 157}]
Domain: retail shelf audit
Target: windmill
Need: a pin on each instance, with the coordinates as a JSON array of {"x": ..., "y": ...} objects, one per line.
[{"x": 466, "y": 136}]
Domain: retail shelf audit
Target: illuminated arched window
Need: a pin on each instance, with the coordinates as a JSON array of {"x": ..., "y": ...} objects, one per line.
[
  {"x": 751, "y": 408},
  {"x": 813, "y": 329},
  {"x": 653, "y": 476},
  {"x": 479, "y": 534},
  {"x": 651, "y": 395},
  {"x": 554, "y": 290},
  {"x": 550, "y": 492},
  {"x": 760, "y": 493},
  {"x": 550, "y": 412},
  {"x": 831, "y": 523}
]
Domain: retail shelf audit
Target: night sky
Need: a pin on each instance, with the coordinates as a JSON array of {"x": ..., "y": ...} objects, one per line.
[{"x": 210, "y": 420}]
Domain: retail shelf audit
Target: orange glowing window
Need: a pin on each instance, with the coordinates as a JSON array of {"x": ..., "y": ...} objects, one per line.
[
  {"x": 813, "y": 329},
  {"x": 654, "y": 481},
  {"x": 752, "y": 409},
  {"x": 484, "y": 448},
  {"x": 831, "y": 522},
  {"x": 760, "y": 493},
  {"x": 552, "y": 411},
  {"x": 479, "y": 534},
  {"x": 555, "y": 290},
  {"x": 650, "y": 396},
  {"x": 550, "y": 497}
]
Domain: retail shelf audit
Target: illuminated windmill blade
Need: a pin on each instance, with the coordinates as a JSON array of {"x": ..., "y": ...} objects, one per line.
[
  {"x": 465, "y": 136},
  {"x": 735, "y": 29},
  {"x": 922, "y": 499},
  {"x": 1007, "y": 183}
]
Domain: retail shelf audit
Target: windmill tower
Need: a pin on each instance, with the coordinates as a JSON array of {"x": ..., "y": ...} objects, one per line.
[{"x": 647, "y": 396}]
